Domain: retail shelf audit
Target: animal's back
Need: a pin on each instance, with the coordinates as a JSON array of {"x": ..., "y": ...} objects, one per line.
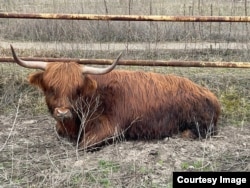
[{"x": 151, "y": 105}]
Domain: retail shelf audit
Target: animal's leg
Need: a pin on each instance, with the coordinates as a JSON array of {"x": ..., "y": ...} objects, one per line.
[
  {"x": 64, "y": 129},
  {"x": 60, "y": 130},
  {"x": 98, "y": 135},
  {"x": 188, "y": 134}
]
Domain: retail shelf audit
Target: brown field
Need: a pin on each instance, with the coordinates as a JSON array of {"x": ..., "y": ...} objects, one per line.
[{"x": 31, "y": 153}]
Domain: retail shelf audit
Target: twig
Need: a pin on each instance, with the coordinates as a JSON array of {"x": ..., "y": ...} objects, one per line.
[
  {"x": 52, "y": 162},
  {"x": 13, "y": 124}
]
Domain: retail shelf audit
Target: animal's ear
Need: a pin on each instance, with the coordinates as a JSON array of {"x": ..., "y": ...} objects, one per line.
[
  {"x": 91, "y": 85},
  {"x": 36, "y": 79}
]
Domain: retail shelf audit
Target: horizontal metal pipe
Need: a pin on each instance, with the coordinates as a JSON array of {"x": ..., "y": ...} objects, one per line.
[
  {"x": 126, "y": 17},
  {"x": 140, "y": 62}
]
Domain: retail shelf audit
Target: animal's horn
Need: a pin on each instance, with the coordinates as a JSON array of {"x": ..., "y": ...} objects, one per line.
[
  {"x": 28, "y": 64},
  {"x": 95, "y": 70}
]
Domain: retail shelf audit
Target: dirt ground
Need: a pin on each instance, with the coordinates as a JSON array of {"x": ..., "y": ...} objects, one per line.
[{"x": 31, "y": 155}]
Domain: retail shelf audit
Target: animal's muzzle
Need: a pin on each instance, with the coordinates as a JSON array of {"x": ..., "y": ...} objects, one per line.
[{"x": 62, "y": 113}]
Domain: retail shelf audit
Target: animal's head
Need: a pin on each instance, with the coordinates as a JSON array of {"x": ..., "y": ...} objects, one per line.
[{"x": 63, "y": 83}]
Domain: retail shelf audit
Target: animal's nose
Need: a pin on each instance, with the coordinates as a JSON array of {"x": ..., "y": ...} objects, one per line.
[{"x": 62, "y": 113}]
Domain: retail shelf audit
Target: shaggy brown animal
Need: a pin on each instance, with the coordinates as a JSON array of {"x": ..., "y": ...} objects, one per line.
[{"x": 92, "y": 105}]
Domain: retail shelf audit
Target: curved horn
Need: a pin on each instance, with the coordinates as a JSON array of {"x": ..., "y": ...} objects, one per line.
[
  {"x": 95, "y": 70},
  {"x": 28, "y": 64}
]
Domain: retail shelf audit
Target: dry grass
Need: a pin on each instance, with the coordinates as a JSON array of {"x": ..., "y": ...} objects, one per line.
[
  {"x": 89, "y": 31},
  {"x": 30, "y": 159}
]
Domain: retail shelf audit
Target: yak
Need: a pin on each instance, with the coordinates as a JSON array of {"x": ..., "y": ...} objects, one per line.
[{"x": 93, "y": 105}]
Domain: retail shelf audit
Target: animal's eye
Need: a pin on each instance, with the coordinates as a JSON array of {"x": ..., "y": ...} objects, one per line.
[
  {"x": 78, "y": 91},
  {"x": 51, "y": 92}
]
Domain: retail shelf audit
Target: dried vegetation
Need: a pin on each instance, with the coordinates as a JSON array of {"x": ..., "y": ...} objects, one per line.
[{"x": 31, "y": 154}]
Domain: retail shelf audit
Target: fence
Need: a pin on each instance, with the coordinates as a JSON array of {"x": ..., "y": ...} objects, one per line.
[
  {"x": 128, "y": 17},
  {"x": 134, "y": 18}
]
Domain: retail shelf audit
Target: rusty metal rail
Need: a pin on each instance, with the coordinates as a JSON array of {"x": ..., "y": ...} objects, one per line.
[
  {"x": 140, "y": 62},
  {"x": 133, "y": 18},
  {"x": 125, "y": 17}
]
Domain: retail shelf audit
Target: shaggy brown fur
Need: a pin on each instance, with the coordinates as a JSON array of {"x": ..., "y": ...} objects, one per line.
[{"x": 138, "y": 105}]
